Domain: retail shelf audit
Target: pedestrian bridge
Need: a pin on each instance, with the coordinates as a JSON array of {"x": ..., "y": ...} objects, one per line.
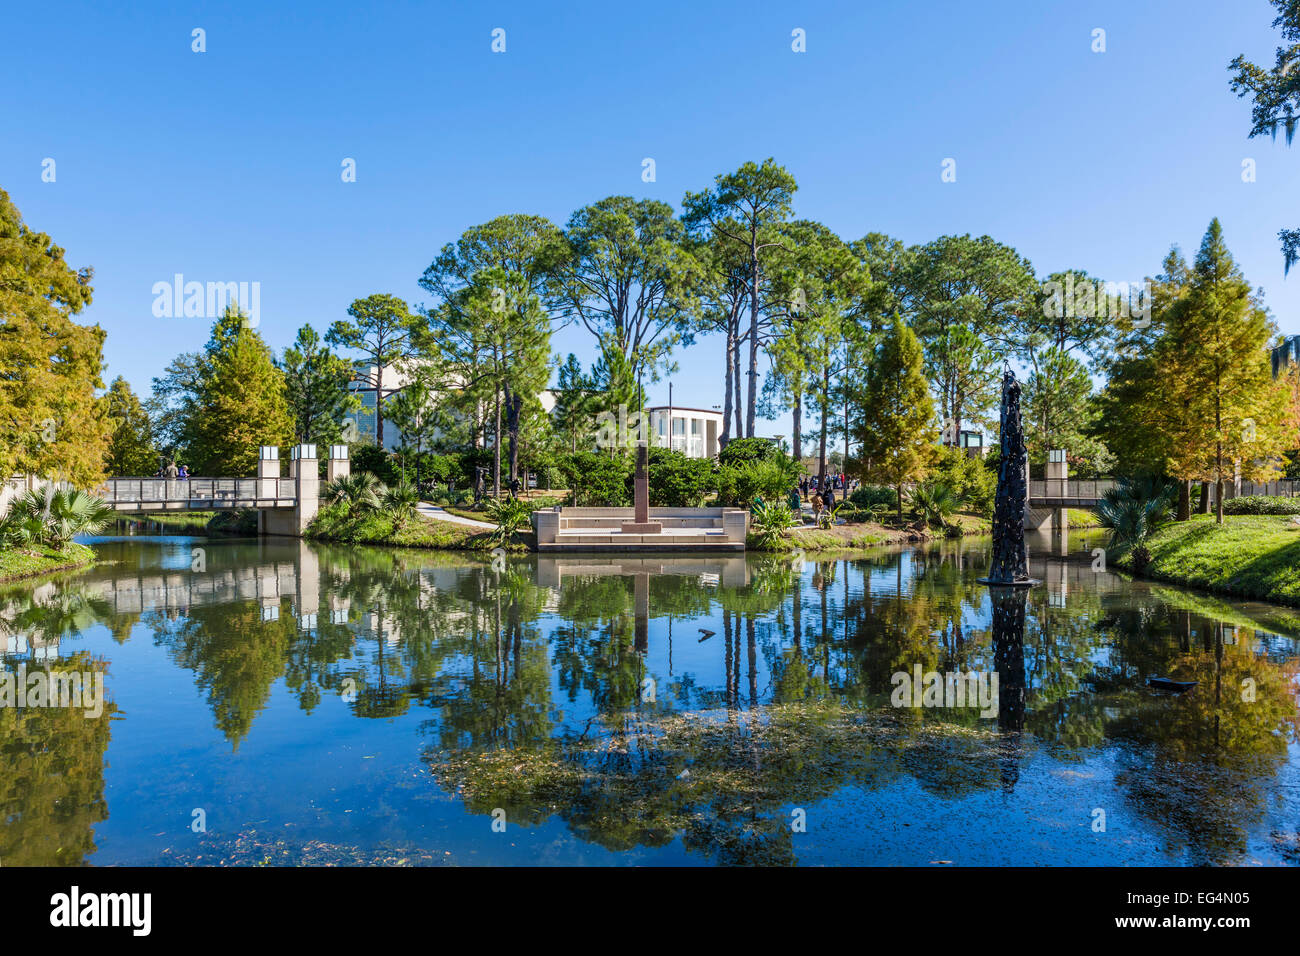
[
  {"x": 1049, "y": 499},
  {"x": 284, "y": 505},
  {"x": 1068, "y": 493},
  {"x": 154, "y": 495}
]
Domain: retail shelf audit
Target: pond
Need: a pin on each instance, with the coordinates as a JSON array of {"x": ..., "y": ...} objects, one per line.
[{"x": 278, "y": 701}]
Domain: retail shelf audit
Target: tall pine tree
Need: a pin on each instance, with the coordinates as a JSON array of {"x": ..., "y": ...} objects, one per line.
[
  {"x": 1227, "y": 414},
  {"x": 896, "y": 426},
  {"x": 240, "y": 401}
]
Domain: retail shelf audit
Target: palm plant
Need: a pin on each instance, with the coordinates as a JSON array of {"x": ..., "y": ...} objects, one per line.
[
  {"x": 828, "y": 515},
  {"x": 935, "y": 503},
  {"x": 509, "y": 515},
  {"x": 53, "y": 517},
  {"x": 75, "y": 512},
  {"x": 360, "y": 492},
  {"x": 401, "y": 501},
  {"x": 769, "y": 523},
  {"x": 1133, "y": 509}
]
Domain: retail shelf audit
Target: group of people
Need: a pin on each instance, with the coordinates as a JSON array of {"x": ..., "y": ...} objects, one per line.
[
  {"x": 172, "y": 473},
  {"x": 824, "y": 498}
]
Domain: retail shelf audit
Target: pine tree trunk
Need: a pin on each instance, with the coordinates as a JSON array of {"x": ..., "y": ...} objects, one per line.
[
  {"x": 726, "y": 393},
  {"x": 379, "y": 407},
  {"x": 753, "y": 337},
  {"x": 735, "y": 385},
  {"x": 796, "y": 442},
  {"x": 496, "y": 442},
  {"x": 821, "y": 455}
]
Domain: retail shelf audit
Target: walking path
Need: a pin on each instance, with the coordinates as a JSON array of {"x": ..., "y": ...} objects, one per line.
[{"x": 436, "y": 513}]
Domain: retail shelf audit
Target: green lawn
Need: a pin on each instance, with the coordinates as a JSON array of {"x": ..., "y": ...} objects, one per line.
[
  {"x": 15, "y": 563},
  {"x": 1082, "y": 518},
  {"x": 376, "y": 527},
  {"x": 1246, "y": 556}
]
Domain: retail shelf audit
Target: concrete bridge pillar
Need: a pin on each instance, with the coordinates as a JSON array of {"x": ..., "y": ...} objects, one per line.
[
  {"x": 307, "y": 586},
  {"x": 268, "y": 471},
  {"x": 1058, "y": 485},
  {"x": 306, "y": 483},
  {"x": 306, "y": 474},
  {"x": 338, "y": 465}
]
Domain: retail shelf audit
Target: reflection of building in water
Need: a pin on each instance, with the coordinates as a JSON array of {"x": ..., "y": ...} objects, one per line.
[
  {"x": 383, "y": 628},
  {"x": 37, "y": 648},
  {"x": 732, "y": 572}
]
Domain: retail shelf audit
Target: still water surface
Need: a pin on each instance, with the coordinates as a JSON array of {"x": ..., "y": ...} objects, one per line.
[{"x": 274, "y": 701}]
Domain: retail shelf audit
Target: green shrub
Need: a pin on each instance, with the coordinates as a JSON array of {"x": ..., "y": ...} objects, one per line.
[
  {"x": 1261, "y": 505},
  {"x": 597, "y": 480},
  {"x": 677, "y": 481},
  {"x": 360, "y": 491},
  {"x": 851, "y": 512},
  {"x": 770, "y": 479},
  {"x": 768, "y": 523},
  {"x": 52, "y": 517},
  {"x": 934, "y": 502},
  {"x": 973, "y": 485},
  {"x": 510, "y": 515},
  {"x": 741, "y": 450},
  {"x": 1131, "y": 511},
  {"x": 868, "y": 496},
  {"x": 402, "y": 502},
  {"x": 376, "y": 461}
]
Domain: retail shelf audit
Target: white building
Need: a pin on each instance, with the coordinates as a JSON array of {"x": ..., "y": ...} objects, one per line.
[
  {"x": 396, "y": 378},
  {"x": 692, "y": 431},
  {"x": 366, "y": 388}
]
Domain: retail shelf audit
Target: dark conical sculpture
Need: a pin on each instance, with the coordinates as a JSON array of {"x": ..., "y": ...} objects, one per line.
[{"x": 1010, "y": 564}]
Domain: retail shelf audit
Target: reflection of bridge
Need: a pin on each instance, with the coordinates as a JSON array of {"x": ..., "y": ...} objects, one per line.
[
  {"x": 296, "y": 578},
  {"x": 284, "y": 505}
]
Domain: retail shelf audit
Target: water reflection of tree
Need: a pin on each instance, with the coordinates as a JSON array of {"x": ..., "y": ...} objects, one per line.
[
  {"x": 724, "y": 785},
  {"x": 516, "y": 675},
  {"x": 52, "y": 779}
]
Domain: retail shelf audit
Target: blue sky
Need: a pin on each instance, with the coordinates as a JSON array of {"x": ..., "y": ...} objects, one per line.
[{"x": 225, "y": 165}]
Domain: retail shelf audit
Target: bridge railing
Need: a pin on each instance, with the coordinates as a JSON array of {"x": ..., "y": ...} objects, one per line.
[
  {"x": 1095, "y": 489},
  {"x": 1087, "y": 489},
  {"x": 195, "y": 491}
]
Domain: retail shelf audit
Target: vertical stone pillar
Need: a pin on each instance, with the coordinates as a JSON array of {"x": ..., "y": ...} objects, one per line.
[
  {"x": 642, "y": 485},
  {"x": 1058, "y": 485},
  {"x": 306, "y": 486},
  {"x": 641, "y": 523},
  {"x": 268, "y": 471},
  {"x": 338, "y": 465},
  {"x": 641, "y": 611},
  {"x": 306, "y": 596}
]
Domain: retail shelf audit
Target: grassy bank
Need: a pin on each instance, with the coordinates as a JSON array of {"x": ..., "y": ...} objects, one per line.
[
  {"x": 237, "y": 523},
  {"x": 333, "y": 523},
  {"x": 18, "y": 563},
  {"x": 862, "y": 535},
  {"x": 1246, "y": 556},
  {"x": 1083, "y": 518}
]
